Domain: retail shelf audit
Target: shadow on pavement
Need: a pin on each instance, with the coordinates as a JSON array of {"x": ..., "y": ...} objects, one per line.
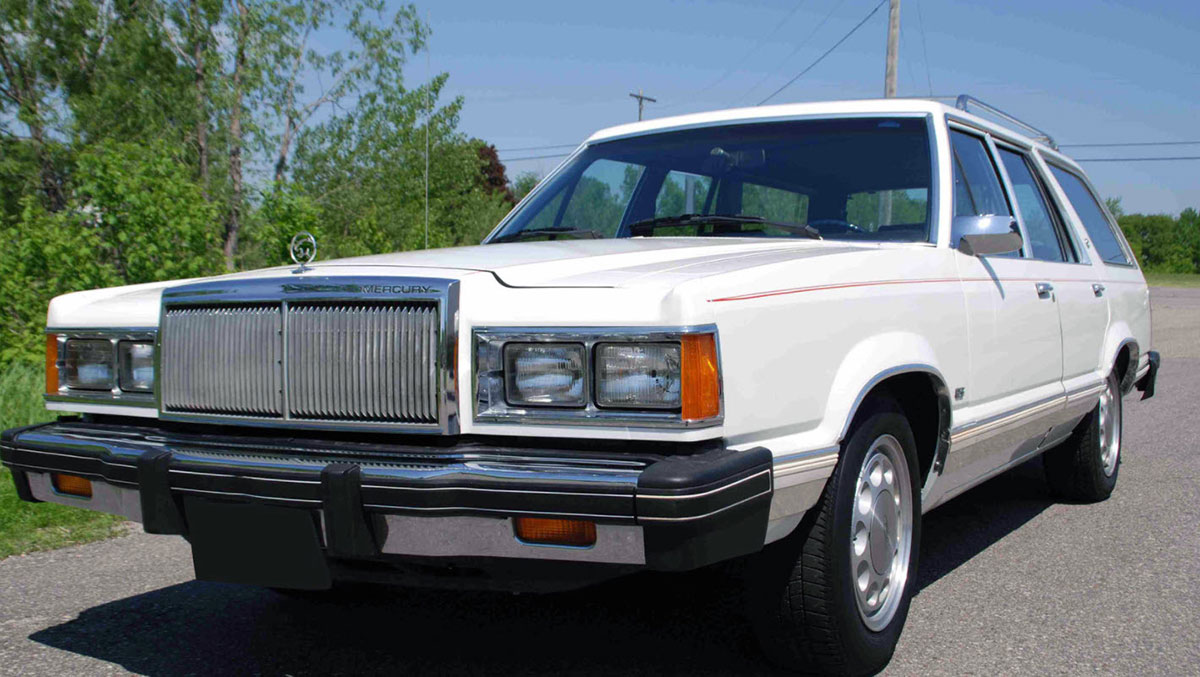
[{"x": 643, "y": 624}]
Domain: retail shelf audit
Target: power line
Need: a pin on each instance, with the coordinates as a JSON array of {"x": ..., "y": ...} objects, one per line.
[
  {"x": 808, "y": 38},
  {"x": 1137, "y": 159},
  {"x": 536, "y": 157},
  {"x": 1129, "y": 143},
  {"x": 758, "y": 44},
  {"x": 827, "y": 53},
  {"x": 529, "y": 148},
  {"x": 924, "y": 48}
]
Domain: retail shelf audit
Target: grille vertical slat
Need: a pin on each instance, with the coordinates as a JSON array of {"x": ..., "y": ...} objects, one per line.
[
  {"x": 345, "y": 361},
  {"x": 222, "y": 361}
]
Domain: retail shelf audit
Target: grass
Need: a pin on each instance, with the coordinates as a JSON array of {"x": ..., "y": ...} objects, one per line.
[
  {"x": 1173, "y": 279},
  {"x": 25, "y": 527}
]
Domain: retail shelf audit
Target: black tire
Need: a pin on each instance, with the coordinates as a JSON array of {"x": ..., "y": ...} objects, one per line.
[
  {"x": 800, "y": 591},
  {"x": 1075, "y": 469}
]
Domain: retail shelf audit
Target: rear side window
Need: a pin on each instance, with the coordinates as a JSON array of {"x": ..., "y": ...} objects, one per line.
[
  {"x": 1040, "y": 222},
  {"x": 1092, "y": 215},
  {"x": 976, "y": 186}
]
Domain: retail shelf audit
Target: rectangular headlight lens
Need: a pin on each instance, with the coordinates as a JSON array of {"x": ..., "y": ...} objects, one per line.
[
  {"x": 544, "y": 374},
  {"x": 88, "y": 364},
  {"x": 638, "y": 375},
  {"x": 135, "y": 366}
]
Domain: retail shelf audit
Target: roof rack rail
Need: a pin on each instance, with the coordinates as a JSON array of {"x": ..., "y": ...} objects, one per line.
[{"x": 965, "y": 100}]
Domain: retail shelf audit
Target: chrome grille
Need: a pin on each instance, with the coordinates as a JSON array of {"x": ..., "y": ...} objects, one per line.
[
  {"x": 223, "y": 360},
  {"x": 363, "y": 362},
  {"x": 354, "y": 362}
]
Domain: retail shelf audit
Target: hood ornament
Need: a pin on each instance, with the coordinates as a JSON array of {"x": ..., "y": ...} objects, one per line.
[{"x": 303, "y": 250}]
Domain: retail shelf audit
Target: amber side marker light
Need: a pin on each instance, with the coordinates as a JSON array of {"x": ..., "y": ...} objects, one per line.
[
  {"x": 543, "y": 531},
  {"x": 72, "y": 485},
  {"x": 700, "y": 380},
  {"x": 51, "y": 365}
]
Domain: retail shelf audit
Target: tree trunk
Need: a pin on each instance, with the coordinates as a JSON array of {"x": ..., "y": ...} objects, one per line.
[
  {"x": 199, "y": 33},
  {"x": 233, "y": 225},
  {"x": 285, "y": 145}
]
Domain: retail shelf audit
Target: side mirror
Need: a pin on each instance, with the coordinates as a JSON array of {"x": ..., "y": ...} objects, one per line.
[{"x": 985, "y": 235}]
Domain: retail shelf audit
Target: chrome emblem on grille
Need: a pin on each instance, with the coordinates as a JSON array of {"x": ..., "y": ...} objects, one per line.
[{"x": 303, "y": 249}]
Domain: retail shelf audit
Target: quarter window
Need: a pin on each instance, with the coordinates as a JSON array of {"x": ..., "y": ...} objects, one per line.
[
  {"x": 1090, "y": 213},
  {"x": 977, "y": 188},
  {"x": 1040, "y": 224}
]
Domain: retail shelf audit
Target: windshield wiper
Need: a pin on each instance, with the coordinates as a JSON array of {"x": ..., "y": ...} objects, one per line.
[
  {"x": 550, "y": 232},
  {"x": 648, "y": 226}
]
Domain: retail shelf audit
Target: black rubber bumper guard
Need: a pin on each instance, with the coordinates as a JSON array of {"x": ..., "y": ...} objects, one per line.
[
  {"x": 694, "y": 510},
  {"x": 1146, "y": 383}
]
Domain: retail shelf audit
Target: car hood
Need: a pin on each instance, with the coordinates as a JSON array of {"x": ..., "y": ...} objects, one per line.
[
  {"x": 621, "y": 262},
  {"x": 653, "y": 265}
]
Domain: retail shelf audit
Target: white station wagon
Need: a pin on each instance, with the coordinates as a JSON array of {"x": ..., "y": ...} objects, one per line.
[{"x": 779, "y": 333}]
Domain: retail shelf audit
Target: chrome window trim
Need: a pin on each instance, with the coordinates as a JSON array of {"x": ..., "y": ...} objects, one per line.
[
  {"x": 590, "y": 414},
  {"x": 1001, "y": 175},
  {"x": 113, "y": 396},
  {"x": 378, "y": 289},
  {"x": 1051, "y": 202}
]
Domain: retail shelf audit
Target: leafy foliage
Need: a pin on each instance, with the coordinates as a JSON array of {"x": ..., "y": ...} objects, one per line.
[
  {"x": 166, "y": 139},
  {"x": 1161, "y": 243}
]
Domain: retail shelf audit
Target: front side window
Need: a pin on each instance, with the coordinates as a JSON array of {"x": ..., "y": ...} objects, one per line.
[
  {"x": 977, "y": 188},
  {"x": 1040, "y": 222},
  {"x": 1092, "y": 215},
  {"x": 793, "y": 179}
]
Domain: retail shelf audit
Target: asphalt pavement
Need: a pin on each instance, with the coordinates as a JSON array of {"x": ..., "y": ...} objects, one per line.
[{"x": 1011, "y": 582}]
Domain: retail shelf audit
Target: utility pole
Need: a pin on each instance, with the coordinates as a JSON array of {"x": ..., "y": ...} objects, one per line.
[
  {"x": 889, "y": 91},
  {"x": 642, "y": 99},
  {"x": 893, "y": 48}
]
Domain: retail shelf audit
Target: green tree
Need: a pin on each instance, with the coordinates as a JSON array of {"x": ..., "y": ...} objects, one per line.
[
  {"x": 524, "y": 183},
  {"x": 135, "y": 216}
]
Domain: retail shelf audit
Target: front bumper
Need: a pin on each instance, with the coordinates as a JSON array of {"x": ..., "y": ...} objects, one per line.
[{"x": 385, "y": 502}]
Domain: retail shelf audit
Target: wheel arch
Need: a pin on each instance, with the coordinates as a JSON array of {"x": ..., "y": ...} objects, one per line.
[
  {"x": 1122, "y": 354},
  {"x": 922, "y": 393}
]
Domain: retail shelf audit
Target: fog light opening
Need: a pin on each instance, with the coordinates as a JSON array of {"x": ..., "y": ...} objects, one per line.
[
  {"x": 72, "y": 485},
  {"x": 560, "y": 532}
]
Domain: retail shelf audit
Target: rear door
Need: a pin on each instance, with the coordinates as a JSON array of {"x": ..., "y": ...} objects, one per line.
[
  {"x": 1121, "y": 281},
  {"x": 1078, "y": 293}
]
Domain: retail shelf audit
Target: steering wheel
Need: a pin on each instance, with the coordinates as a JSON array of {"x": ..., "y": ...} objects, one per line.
[{"x": 838, "y": 226}]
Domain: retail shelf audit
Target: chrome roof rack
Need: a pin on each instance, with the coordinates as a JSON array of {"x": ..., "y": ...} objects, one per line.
[{"x": 965, "y": 100}]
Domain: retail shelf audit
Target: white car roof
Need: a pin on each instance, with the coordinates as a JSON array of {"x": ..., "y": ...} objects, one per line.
[{"x": 817, "y": 108}]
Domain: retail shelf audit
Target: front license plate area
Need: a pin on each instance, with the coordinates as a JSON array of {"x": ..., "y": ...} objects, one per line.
[{"x": 256, "y": 545}]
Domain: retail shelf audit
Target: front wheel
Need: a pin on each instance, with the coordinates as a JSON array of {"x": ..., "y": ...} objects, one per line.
[{"x": 833, "y": 596}]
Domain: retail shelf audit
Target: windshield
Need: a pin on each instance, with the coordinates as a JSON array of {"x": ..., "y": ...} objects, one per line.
[{"x": 844, "y": 179}]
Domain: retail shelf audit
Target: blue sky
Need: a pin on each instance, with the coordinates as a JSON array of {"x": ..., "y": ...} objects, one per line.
[{"x": 544, "y": 73}]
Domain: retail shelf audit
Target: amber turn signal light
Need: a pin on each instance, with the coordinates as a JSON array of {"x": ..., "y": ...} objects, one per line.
[
  {"x": 542, "y": 531},
  {"x": 52, "y": 365},
  {"x": 700, "y": 381},
  {"x": 72, "y": 485}
]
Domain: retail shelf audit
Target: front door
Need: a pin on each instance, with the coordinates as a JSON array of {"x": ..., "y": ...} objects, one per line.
[{"x": 1014, "y": 333}]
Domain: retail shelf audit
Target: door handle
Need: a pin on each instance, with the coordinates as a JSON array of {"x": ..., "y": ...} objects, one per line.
[
  {"x": 1098, "y": 289},
  {"x": 1044, "y": 289}
]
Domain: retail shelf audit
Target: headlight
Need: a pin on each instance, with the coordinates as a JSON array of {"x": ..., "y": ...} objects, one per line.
[
  {"x": 651, "y": 377},
  {"x": 135, "y": 366},
  {"x": 88, "y": 364},
  {"x": 545, "y": 374},
  {"x": 638, "y": 375}
]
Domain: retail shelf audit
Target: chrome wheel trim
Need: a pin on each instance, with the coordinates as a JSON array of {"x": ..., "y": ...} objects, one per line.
[
  {"x": 1109, "y": 411},
  {"x": 881, "y": 524}
]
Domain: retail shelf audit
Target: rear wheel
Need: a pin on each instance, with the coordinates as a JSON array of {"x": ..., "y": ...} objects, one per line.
[
  {"x": 833, "y": 596},
  {"x": 1085, "y": 467}
]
